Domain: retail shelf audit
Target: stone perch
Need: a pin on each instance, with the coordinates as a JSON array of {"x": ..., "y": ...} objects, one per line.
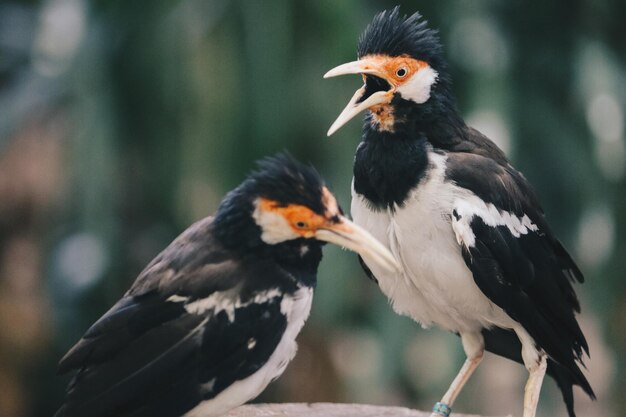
[{"x": 328, "y": 410}]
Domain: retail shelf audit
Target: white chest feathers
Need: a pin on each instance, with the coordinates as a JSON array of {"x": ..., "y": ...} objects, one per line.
[{"x": 435, "y": 286}]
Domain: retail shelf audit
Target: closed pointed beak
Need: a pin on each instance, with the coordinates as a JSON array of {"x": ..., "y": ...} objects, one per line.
[
  {"x": 350, "y": 236},
  {"x": 357, "y": 104}
]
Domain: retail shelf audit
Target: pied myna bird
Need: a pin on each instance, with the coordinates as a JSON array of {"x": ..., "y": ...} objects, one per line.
[
  {"x": 213, "y": 318},
  {"x": 477, "y": 255}
]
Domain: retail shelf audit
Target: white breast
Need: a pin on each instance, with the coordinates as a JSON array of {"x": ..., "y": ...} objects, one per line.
[
  {"x": 297, "y": 309},
  {"x": 435, "y": 287}
]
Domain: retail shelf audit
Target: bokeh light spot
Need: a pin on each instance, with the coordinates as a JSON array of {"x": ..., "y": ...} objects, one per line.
[{"x": 81, "y": 260}]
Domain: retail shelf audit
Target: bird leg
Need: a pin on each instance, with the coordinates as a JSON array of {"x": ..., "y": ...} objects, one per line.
[
  {"x": 533, "y": 385},
  {"x": 474, "y": 346},
  {"x": 535, "y": 360}
]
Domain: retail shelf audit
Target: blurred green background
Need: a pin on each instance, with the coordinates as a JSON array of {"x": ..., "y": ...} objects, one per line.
[{"x": 123, "y": 122}]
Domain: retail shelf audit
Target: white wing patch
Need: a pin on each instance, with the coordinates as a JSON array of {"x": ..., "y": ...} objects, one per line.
[
  {"x": 224, "y": 301},
  {"x": 466, "y": 209}
]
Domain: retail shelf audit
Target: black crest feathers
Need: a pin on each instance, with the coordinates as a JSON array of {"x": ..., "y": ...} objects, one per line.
[
  {"x": 279, "y": 178},
  {"x": 284, "y": 179},
  {"x": 393, "y": 34}
]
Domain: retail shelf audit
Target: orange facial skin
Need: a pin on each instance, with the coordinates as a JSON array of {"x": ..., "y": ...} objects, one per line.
[
  {"x": 304, "y": 221},
  {"x": 387, "y": 67},
  {"x": 382, "y": 116}
]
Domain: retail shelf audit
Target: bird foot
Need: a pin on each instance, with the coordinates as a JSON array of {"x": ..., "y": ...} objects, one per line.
[{"x": 441, "y": 410}]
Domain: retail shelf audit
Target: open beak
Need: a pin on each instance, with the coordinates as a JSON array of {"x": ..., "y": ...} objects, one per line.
[
  {"x": 366, "y": 96},
  {"x": 350, "y": 236}
]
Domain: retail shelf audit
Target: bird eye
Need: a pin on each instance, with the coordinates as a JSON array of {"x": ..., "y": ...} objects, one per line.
[
  {"x": 301, "y": 225},
  {"x": 401, "y": 72}
]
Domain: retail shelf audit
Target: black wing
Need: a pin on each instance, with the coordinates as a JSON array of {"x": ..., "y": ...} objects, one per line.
[
  {"x": 520, "y": 266},
  {"x": 150, "y": 356}
]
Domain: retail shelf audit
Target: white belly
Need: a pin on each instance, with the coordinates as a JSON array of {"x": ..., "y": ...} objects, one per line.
[
  {"x": 297, "y": 309},
  {"x": 435, "y": 286}
]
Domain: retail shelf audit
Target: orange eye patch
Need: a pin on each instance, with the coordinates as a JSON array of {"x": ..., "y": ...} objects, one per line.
[
  {"x": 396, "y": 69},
  {"x": 303, "y": 220}
]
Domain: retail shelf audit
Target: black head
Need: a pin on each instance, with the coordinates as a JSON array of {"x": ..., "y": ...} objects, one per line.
[
  {"x": 286, "y": 181},
  {"x": 407, "y": 86},
  {"x": 284, "y": 205},
  {"x": 394, "y": 35}
]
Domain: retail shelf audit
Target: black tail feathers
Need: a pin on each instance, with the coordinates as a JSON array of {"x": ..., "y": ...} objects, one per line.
[
  {"x": 505, "y": 343},
  {"x": 566, "y": 381}
]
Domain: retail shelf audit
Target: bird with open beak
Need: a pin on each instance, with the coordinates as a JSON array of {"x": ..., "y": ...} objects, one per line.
[
  {"x": 213, "y": 319},
  {"x": 477, "y": 255}
]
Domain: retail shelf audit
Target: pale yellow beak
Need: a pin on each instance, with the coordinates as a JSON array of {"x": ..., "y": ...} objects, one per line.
[
  {"x": 363, "y": 66},
  {"x": 356, "y": 106},
  {"x": 350, "y": 236}
]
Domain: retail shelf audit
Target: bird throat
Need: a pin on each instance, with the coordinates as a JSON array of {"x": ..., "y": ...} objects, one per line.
[
  {"x": 383, "y": 118},
  {"x": 388, "y": 165}
]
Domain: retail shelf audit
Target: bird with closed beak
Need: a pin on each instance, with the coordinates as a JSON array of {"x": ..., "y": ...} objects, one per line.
[
  {"x": 477, "y": 255},
  {"x": 212, "y": 320}
]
